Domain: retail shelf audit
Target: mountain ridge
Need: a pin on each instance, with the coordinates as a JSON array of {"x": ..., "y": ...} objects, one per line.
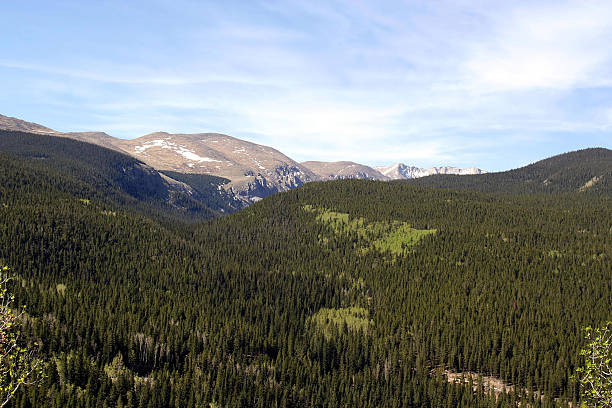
[
  {"x": 255, "y": 171},
  {"x": 400, "y": 171},
  {"x": 585, "y": 170}
]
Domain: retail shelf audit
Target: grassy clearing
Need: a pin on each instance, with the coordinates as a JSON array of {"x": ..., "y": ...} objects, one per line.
[
  {"x": 329, "y": 320},
  {"x": 340, "y": 223},
  {"x": 401, "y": 238},
  {"x": 396, "y": 237},
  {"x": 60, "y": 288}
]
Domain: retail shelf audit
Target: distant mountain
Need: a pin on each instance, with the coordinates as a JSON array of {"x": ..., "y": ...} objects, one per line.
[
  {"x": 252, "y": 171},
  {"x": 343, "y": 170},
  {"x": 255, "y": 171},
  {"x": 399, "y": 171},
  {"x": 92, "y": 172},
  {"x": 98, "y": 138},
  {"x": 588, "y": 170}
]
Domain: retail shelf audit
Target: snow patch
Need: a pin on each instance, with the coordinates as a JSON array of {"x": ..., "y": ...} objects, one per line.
[
  {"x": 189, "y": 154},
  {"x": 164, "y": 144}
]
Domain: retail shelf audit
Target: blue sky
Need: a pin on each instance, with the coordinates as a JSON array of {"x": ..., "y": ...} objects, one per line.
[{"x": 494, "y": 84}]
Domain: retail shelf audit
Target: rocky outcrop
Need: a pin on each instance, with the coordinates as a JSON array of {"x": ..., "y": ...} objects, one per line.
[{"x": 400, "y": 171}]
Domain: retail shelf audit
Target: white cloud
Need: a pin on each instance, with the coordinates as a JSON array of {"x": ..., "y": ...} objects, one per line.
[{"x": 556, "y": 46}]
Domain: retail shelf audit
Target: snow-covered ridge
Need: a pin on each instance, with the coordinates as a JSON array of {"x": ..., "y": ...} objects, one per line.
[{"x": 401, "y": 171}]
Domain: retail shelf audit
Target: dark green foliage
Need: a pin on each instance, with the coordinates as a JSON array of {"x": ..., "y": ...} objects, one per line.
[
  {"x": 587, "y": 171},
  {"x": 130, "y": 312}
]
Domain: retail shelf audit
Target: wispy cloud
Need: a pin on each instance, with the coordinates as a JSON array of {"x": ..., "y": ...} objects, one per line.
[
  {"x": 555, "y": 46},
  {"x": 458, "y": 82}
]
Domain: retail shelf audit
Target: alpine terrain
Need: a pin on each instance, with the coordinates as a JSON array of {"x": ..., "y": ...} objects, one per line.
[
  {"x": 399, "y": 171},
  {"x": 252, "y": 171}
]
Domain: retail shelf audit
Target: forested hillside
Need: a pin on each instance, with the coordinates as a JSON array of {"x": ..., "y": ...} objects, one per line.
[
  {"x": 344, "y": 293},
  {"x": 90, "y": 172},
  {"x": 586, "y": 171}
]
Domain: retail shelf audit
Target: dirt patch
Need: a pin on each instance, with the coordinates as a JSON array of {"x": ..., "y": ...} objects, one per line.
[
  {"x": 589, "y": 184},
  {"x": 490, "y": 384}
]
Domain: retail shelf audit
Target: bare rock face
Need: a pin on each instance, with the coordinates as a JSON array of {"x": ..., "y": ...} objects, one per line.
[
  {"x": 400, "y": 171},
  {"x": 343, "y": 170}
]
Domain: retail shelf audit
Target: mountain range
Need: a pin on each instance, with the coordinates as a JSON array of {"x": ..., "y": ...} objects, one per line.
[
  {"x": 254, "y": 171},
  {"x": 400, "y": 171}
]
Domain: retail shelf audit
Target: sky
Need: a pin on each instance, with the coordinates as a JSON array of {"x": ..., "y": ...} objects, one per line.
[{"x": 491, "y": 84}]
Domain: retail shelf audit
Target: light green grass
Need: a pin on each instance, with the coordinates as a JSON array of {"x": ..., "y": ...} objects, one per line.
[
  {"x": 395, "y": 236},
  {"x": 329, "y": 320},
  {"x": 340, "y": 222},
  {"x": 60, "y": 288},
  {"x": 401, "y": 238}
]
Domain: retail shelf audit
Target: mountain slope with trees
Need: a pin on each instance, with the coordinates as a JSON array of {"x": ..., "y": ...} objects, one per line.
[
  {"x": 270, "y": 306},
  {"x": 588, "y": 170},
  {"x": 91, "y": 172}
]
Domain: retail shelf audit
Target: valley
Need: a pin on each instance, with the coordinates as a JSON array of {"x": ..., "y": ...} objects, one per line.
[{"x": 306, "y": 204}]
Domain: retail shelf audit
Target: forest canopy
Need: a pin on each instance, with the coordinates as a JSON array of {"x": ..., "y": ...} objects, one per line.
[{"x": 280, "y": 304}]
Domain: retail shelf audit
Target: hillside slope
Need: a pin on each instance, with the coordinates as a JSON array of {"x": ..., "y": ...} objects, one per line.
[
  {"x": 10, "y": 123},
  {"x": 343, "y": 293},
  {"x": 588, "y": 170},
  {"x": 96, "y": 173}
]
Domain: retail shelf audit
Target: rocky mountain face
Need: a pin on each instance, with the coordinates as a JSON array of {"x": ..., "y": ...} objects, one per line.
[
  {"x": 254, "y": 171},
  {"x": 399, "y": 171},
  {"x": 343, "y": 170}
]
